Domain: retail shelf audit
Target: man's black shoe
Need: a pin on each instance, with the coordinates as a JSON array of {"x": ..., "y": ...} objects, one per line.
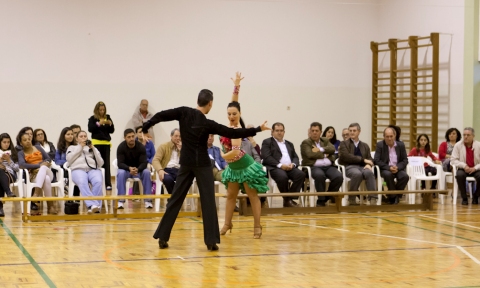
[{"x": 162, "y": 244}]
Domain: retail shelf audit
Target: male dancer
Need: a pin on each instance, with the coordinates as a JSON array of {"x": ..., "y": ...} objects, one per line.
[{"x": 195, "y": 162}]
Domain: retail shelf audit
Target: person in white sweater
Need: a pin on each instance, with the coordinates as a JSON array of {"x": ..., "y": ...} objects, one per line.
[{"x": 85, "y": 162}]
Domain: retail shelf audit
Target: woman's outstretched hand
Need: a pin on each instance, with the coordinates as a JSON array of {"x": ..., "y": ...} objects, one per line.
[
  {"x": 238, "y": 78},
  {"x": 264, "y": 126}
]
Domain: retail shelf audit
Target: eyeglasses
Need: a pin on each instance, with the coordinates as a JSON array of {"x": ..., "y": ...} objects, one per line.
[{"x": 345, "y": 134}]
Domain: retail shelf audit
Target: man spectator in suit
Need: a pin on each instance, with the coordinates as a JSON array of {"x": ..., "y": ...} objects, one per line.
[
  {"x": 141, "y": 116},
  {"x": 345, "y": 134},
  {"x": 132, "y": 163},
  {"x": 391, "y": 158},
  {"x": 356, "y": 157},
  {"x": 218, "y": 162},
  {"x": 281, "y": 161},
  {"x": 167, "y": 160},
  {"x": 319, "y": 153},
  {"x": 466, "y": 157}
]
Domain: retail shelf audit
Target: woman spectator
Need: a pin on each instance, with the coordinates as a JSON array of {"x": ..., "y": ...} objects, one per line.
[
  {"x": 445, "y": 149},
  {"x": 64, "y": 141},
  {"x": 28, "y": 131},
  {"x": 423, "y": 150},
  {"x": 40, "y": 138},
  {"x": 8, "y": 168},
  {"x": 36, "y": 160},
  {"x": 329, "y": 132},
  {"x": 147, "y": 143},
  {"x": 101, "y": 126},
  {"x": 85, "y": 162}
]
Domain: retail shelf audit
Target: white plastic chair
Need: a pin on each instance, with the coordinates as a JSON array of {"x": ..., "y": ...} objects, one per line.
[
  {"x": 447, "y": 178},
  {"x": 71, "y": 187},
  {"x": 129, "y": 181},
  {"x": 25, "y": 189},
  {"x": 344, "y": 188},
  {"x": 311, "y": 181},
  {"x": 416, "y": 171},
  {"x": 455, "y": 184}
]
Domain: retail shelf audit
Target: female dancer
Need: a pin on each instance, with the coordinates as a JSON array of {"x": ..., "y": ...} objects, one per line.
[{"x": 242, "y": 171}]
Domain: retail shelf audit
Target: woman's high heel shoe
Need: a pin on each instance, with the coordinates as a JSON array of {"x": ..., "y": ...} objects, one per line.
[
  {"x": 225, "y": 229},
  {"x": 257, "y": 232}
]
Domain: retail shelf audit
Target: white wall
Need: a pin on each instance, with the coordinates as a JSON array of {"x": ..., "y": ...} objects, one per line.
[
  {"x": 58, "y": 58},
  {"x": 402, "y": 18}
]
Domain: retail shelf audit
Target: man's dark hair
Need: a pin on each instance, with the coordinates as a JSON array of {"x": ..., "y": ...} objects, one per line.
[
  {"x": 138, "y": 128},
  {"x": 74, "y": 126},
  {"x": 316, "y": 124},
  {"x": 278, "y": 124},
  {"x": 204, "y": 97},
  {"x": 128, "y": 131}
]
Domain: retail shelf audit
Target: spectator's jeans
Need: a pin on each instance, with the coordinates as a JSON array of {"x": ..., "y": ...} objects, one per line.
[
  {"x": 122, "y": 177},
  {"x": 82, "y": 178}
]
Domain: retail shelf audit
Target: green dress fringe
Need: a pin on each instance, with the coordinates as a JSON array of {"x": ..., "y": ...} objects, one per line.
[{"x": 246, "y": 170}]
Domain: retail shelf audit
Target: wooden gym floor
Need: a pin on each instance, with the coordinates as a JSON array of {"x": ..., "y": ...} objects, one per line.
[{"x": 440, "y": 248}]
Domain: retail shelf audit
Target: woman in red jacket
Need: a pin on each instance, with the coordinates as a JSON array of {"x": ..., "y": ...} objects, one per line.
[{"x": 445, "y": 149}]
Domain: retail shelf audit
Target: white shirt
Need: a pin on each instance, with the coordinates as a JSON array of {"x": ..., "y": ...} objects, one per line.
[
  {"x": 322, "y": 162},
  {"x": 174, "y": 160},
  {"x": 285, "y": 157}
]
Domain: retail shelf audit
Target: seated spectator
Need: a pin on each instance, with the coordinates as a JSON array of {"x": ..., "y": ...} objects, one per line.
[
  {"x": 466, "y": 156},
  {"x": 391, "y": 158},
  {"x": 452, "y": 136},
  {"x": 398, "y": 131},
  {"x": 36, "y": 160},
  {"x": 254, "y": 143},
  {"x": 75, "y": 129},
  {"x": 8, "y": 168},
  {"x": 147, "y": 143},
  {"x": 40, "y": 138},
  {"x": 345, "y": 135},
  {"x": 85, "y": 163},
  {"x": 356, "y": 157},
  {"x": 18, "y": 147},
  {"x": 318, "y": 153},
  {"x": 29, "y": 132},
  {"x": 218, "y": 163},
  {"x": 281, "y": 161},
  {"x": 330, "y": 134},
  {"x": 132, "y": 163},
  {"x": 423, "y": 150},
  {"x": 167, "y": 160},
  {"x": 64, "y": 141}
]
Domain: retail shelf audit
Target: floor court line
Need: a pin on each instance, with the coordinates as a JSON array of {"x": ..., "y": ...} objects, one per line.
[
  {"x": 455, "y": 223},
  {"x": 395, "y": 237},
  {"x": 28, "y": 256}
]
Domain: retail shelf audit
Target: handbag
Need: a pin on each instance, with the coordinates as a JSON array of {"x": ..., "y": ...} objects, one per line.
[{"x": 71, "y": 207}]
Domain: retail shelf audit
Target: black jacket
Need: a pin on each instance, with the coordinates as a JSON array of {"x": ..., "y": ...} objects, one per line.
[
  {"x": 100, "y": 132},
  {"x": 271, "y": 153},
  {"x": 382, "y": 158},
  {"x": 194, "y": 130}
]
